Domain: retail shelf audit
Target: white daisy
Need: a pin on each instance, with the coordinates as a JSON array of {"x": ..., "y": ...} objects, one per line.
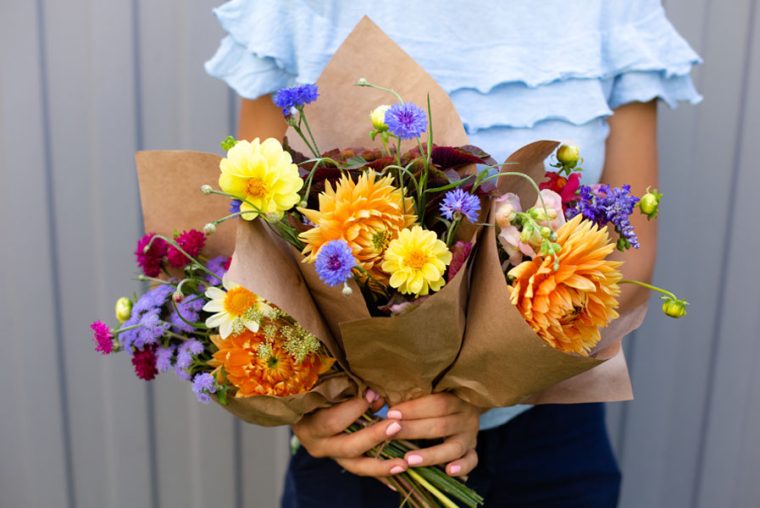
[{"x": 236, "y": 308}]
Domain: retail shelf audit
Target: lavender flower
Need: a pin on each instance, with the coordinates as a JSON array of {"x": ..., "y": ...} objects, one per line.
[
  {"x": 218, "y": 266},
  {"x": 203, "y": 385},
  {"x": 189, "y": 309},
  {"x": 461, "y": 203},
  {"x": 164, "y": 357},
  {"x": 602, "y": 205},
  {"x": 235, "y": 206},
  {"x": 153, "y": 299},
  {"x": 335, "y": 262},
  {"x": 296, "y": 97},
  {"x": 406, "y": 120},
  {"x": 185, "y": 353}
]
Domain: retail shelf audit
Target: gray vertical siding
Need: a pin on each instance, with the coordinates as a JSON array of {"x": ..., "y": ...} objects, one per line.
[{"x": 85, "y": 83}]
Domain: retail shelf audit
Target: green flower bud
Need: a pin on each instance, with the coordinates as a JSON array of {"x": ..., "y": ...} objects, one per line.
[
  {"x": 650, "y": 203},
  {"x": 209, "y": 228},
  {"x": 123, "y": 309},
  {"x": 177, "y": 296},
  {"x": 568, "y": 155},
  {"x": 228, "y": 143},
  {"x": 546, "y": 232},
  {"x": 362, "y": 82},
  {"x": 206, "y": 189},
  {"x": 674, "y": 308}
]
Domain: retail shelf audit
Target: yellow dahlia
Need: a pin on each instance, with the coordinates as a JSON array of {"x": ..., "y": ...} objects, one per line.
[
  {"x": 367, "y": 214},
  {"x": 235, "y": 308},
  {"x": 567, "y": 307},
  {"x": 416, "y": 262},
  {"x": 262, "y": 175},
  {"x": 258, "y": 364}
]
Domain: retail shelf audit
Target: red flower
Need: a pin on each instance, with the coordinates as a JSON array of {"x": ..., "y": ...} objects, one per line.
[
  {"x": 460, "y": 252},
  {"x": 144, "y": 362},
  {"x": 102, "y": 337},
  {"x": 567, "y": 188},
  {"x": 227, "y": 263},
  {"x": 150, "y": 261},
  {"x": 192, "y": 242}
]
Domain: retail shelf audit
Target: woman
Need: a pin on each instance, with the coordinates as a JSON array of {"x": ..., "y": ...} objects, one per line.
[{"x": 517, "y": 71}]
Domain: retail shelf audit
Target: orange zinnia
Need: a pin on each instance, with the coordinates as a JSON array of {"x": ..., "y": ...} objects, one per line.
[
  {"x": 257, "y": 366},
  {"x": 367, "y": 214},
  {"x": 567, "y": 307}
]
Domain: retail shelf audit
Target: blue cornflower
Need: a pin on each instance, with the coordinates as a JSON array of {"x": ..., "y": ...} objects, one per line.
[
  {"x": 189, "y": 309},
  {"x": 235, "y": 205},
  {"x": 335, "y": 262},
  {"x": 461, "y": 203},
  {"x": 602, "y": 205},
  {"x": 203, "y": 385},
  {"x": 406, "y": 120},
  {"x": 164, "y": 357},
  {"x": 295, "y": 97}
]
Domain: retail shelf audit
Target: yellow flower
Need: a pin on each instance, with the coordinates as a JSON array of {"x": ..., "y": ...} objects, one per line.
[
  {"x": 378, "y": 117},
  {"x": 263, "y": 174},
  {"x": 416, "y": 261},
  {"x": 236, "y": 309},
  {"x": 366, "y": 214},
  {"x": 567, "y": 307}
]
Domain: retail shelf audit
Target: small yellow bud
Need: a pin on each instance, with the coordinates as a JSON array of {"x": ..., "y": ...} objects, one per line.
[
  {"x": 568, "y": 155},
  {"x": 378, "y": 117},
  {"x": 674, "y": 308},
  {"x": 123, "y": 309}
]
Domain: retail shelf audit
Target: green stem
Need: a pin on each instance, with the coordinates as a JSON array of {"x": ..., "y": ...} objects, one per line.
[
  {"x": 378, "y": 87},
  {"x": 145, "y": 278},
  {"x": 174, "y": 244},
  {"x": 650, "y": 286},
  {"x": 311, "y": 136}
]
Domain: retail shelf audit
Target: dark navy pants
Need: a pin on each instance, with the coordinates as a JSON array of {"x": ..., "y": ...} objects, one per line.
[{"x": 549, "y": 456}]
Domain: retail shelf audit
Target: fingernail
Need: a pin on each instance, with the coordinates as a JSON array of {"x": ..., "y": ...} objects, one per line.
[
  {"x": 392, "y": 429},
  {"x": 455, "y": 469},
  {"x": 414, "y": 460},
  {"x": 397, "y": 470},
  {"x": 394, "y": 414},
  {"x": 371, "y": 396}
]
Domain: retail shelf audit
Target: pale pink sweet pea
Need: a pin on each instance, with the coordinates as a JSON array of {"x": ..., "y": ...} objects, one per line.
[
  {"x": 553, "y": 202},
  {"x": 513, "y": 245},
  {"x": 506, "y": 207}
]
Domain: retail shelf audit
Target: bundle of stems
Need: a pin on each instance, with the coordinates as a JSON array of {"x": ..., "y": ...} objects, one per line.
[{"x": 420, "y": 487}]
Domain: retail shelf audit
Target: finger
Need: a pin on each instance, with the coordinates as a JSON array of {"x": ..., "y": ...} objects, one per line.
[
  {"x": 452, "y": 449},
  {"x": 331, "y": 421},
  {"x": 429, "y": 406},
  {"x": 434, "y": 428},
  {"x": 463, "y": 466},
  {"x": 366, "y": 466},
  {"x": 357, "y": 443}
]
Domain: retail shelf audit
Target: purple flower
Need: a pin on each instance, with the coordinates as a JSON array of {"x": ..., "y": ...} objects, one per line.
[
  {"x": 406, "y": 120},
  {"x": 203, "y": 385},
  {"x": 235, "y": 206},
  {"x": 164, "y": 357},
  {"x": 335, "y": 262},
  {"x": 102, "y": 337},
  {"x": 602, "y": 205},
  {"x": 461, "y": 203},
  {"x": 150, "y": 330},
  {"x": 296, "y": 97},
  {"x": 189, "y": 309},
  {"x": 185, "y": 354},
  {"x": 219, "y": 266},
  {"x": 153, "y": 299}
]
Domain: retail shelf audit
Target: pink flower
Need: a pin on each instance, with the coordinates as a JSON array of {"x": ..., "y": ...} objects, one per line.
[
  {"x": 102, "y": 337},
  {"x": 192, "y": 242},
  {"x": 150, "y": 262},
  {"x": 506, "y": 207},
  {"x": 513, "y": 245},
  {"x": 553, "y": 202},
  {"x": 460, "y": 252},
  {"x": 567, "y": 188}
]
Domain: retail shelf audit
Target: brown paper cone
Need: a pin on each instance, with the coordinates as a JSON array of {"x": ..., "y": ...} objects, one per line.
[
  {"x": 171, "y": 198},
  {"x": 502, "y": 360}
]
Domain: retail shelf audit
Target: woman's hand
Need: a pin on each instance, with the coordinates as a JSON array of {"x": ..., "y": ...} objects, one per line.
[
  {"x": 322, "y": 434},
  {"x": 441, "y": 415}
]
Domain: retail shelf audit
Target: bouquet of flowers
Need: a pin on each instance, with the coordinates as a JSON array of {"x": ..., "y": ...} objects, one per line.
[{"x": 409, "y": 267}]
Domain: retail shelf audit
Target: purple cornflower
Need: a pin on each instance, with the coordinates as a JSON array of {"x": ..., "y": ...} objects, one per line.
[
  {"x": 219, "y": 266},
  {"x": 203, "y": 385},
  {"x": 164, "y": 357},
  {"x": 102, "y": 336},
  {"x": 295, "y": 97},
  {"x": 406, "y": 120},
  {"x": 235, "y": 206},
  {"x": 189, "y": 309},
  {"x": 602, "y": 205},
  {"x": 335, "y": 262},
  {"x": 459, "y": 202}
]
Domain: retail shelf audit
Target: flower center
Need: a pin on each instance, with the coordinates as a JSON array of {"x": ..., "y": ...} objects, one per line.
[
  {"x": 238, "y": 301},
  {"x": 256, "y": 188},
  {"x": 380, "y": 240},
  {"x": 415, "y": 259}
]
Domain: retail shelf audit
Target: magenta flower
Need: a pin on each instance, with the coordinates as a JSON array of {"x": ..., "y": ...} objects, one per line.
[
  {"x": 459, "y": 254},
  {"x": 102, "y": 337},
  {"x": 191, "y": 241},
  {"x": 150, "y": 261},
  {"x": 144, "y": 362}
]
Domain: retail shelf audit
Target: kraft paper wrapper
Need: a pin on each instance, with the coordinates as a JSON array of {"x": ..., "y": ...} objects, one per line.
[
  {"x": 170, "y": 184},
  {"x": 502, "y": 360},
  {"x": 400, "y": 356},
  {"x": 170, "y": 194}
]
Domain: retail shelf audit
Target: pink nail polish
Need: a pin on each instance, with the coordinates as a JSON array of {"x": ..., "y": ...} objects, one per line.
[
  {"x": 397, "y": 470},
  {"x": 371, "y": 396},
  {"x": 414, "y": 460},
  {"x": 394, "y": 414},
  {"x": 392, "y": 429},
  {"x": 455, "y": 469}
]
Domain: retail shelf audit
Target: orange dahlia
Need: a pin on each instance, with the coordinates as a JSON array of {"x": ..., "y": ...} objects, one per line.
[
  {"x": 567, "y": 307},
  {"x": 257, "y": 364},
  {"x": 367, "y": 214}
]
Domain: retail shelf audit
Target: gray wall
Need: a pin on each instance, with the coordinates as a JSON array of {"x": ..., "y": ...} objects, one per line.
[{"x": 85, "y": 83}]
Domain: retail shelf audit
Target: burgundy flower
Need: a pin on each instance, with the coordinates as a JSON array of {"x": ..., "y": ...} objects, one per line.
[
  {"x": 192, "y": 242},
  {"x": 102, "y": 337},
  {"x": 144, "y": 361},
  {"x": 460, "y": 252},
  {"x": 150, "y": 262}
]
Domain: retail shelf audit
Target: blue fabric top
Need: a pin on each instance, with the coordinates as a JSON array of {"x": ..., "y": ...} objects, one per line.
[{"x": 517, "y": 71}]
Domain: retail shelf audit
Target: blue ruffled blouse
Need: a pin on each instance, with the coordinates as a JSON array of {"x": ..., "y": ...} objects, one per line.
[{"x": 517, "y": 71}]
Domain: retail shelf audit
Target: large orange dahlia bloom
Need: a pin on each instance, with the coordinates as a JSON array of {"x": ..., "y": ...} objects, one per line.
[
  {"x": 567, "y": 307},
  {"x": 367, "y": 213},
  {"x": 257, "y": 366}
]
